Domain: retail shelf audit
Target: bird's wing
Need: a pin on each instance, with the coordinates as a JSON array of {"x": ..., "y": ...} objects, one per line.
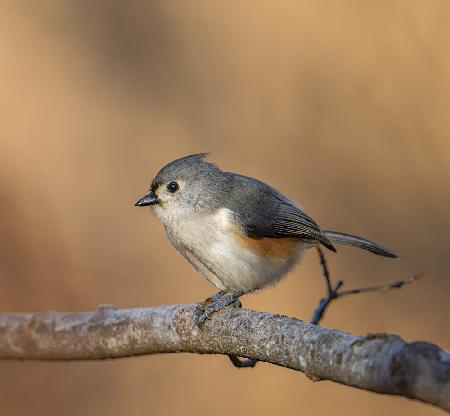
[
  {"x": 286, "y": 221},
  {"x": 264, "y": 212}
]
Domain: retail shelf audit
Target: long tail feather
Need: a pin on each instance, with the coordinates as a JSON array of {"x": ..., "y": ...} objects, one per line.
[{"x": 353, "y": 240}]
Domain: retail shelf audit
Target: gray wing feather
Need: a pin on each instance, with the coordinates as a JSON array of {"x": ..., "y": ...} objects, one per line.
[{"x": 263, "y": 212}]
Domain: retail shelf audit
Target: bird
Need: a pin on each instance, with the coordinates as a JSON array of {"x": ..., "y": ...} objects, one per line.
[{"x": 239, "y": 233}]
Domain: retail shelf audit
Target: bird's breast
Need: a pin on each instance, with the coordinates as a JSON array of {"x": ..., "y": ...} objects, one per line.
[{"x": 237, "y": 261}]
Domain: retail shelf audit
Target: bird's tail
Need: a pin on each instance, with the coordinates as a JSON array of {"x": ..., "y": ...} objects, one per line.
[{"x": 353, "y": 240}]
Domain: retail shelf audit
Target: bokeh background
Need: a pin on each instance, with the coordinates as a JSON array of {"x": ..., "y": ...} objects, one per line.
[{"x": 344, "y": 106}]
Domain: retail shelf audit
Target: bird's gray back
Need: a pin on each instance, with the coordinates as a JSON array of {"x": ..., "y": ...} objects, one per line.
[{"x": 252, "y": 198}]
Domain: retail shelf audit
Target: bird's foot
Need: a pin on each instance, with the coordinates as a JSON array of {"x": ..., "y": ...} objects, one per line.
[
  {"x": 201, "y": 306},
  {"x": 204, "y": 310}
]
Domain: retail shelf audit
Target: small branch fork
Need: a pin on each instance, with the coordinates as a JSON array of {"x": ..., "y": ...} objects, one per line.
[{"x": 333, "y": 292}]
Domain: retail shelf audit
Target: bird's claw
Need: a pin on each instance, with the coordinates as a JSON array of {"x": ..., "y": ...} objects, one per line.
[
  {"x": 205, "y": 309},
  {"x": 201, "y": 314}
]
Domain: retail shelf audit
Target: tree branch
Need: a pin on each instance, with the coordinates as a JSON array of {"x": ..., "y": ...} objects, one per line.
[
  {"x": 333, "y": 292},
  {"x": 377, "y": 362}
]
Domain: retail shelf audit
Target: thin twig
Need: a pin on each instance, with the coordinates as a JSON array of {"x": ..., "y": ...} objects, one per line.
[
  {"x": 383, "y": 288},
  {"x": 335, "y": 292},
  {"x": 325, "y": 270}
]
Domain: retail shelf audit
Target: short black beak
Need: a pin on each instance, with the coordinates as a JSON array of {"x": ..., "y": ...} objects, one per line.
[{"x": 150, "y": 199}]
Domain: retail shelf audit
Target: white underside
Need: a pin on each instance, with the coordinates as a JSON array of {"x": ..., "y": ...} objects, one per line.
[{"x": 211, "y": 246}]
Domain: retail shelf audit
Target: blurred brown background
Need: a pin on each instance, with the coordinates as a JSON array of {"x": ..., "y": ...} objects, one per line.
[{"x": 343, "y": 105}]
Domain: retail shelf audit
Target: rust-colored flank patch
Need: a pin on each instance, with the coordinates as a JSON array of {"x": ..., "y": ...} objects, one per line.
[{"x": 270, "y": 247}]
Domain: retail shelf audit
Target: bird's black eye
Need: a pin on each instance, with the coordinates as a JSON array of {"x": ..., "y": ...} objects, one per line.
[{"x": 172, "y": 187}]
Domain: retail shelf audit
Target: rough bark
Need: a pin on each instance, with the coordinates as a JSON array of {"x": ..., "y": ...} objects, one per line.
[{"x": 381, "y": 363}]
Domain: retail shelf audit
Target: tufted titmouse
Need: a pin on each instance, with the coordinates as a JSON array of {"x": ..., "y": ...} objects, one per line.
[{"x": 239, "y": 233}]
